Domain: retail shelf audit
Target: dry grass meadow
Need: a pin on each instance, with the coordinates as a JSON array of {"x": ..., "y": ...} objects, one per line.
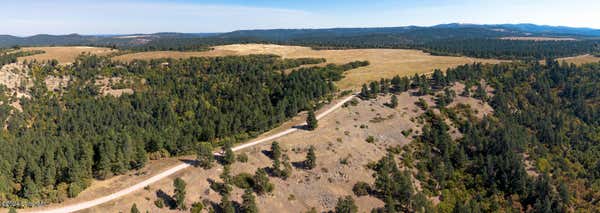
[
  {"x": 539, "y": 38},
  {"x": 385, "y": 63},
  {"x": 64, "y": 55},
  {"x": 582, "y": 59}
]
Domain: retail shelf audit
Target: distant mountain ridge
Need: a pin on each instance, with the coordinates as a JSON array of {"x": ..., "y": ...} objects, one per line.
[{"x": 408, "y": 33}]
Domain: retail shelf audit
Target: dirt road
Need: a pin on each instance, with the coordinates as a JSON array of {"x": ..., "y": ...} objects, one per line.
[{"x": 141, "y": 185}]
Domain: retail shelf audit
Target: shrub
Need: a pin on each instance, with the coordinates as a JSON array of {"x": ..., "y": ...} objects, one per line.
[
  {"x": 361, "y": 188},
  {"x": 197, "y": 207},
  {"x": 370, "y": 139},
  {"x": 243, "y": 180},
  {"x": 243, "y": 157},
  {"x": 159, "y": 203}
]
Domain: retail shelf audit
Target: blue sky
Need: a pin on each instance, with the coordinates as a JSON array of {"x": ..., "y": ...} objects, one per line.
[{"x": 28, "y": 17}]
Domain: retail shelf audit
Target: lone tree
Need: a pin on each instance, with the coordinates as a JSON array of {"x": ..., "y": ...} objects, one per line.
[
  {"x": 249, "y": 202},
  {"x": 275, "y": 150},
  {"x": 394, "y": 101},
  {"x": 311, "y": 120},
  {"x": 346, "y": 205},
  {"x": 204, "y": 155},
  {"x": 311, "y": 158},
  {"x": 229, "y": 155},
  {"x": 134, "y": 209},
  {"x": 179, "y": 197}
]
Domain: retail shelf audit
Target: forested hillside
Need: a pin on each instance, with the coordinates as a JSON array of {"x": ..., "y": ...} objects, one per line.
[
  {"x": 62, "y": 139},
  {"x": 538, "y": 152},
  {"x": 466, "y": 41},
  {"x": 447, "y": 39}
]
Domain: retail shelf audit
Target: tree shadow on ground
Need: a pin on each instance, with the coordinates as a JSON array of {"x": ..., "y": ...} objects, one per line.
[{"x": 168, "y": 200}]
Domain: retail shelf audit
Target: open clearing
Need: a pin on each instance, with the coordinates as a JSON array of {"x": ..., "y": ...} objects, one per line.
[
  {"x": 341, "y": 150},
  {"x": 539, "y": 38},
  {"x": 64, "y": 54},
  {"x": 385, "y": 63},
  {"x": 582, "y": 59}
]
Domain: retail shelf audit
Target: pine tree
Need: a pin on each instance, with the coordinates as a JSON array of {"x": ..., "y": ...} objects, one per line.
[
  {"x": 226, "y": 175},
  {"x": 249, "y": 202},
  {"x": 275, "y": 150},
  {"x": 394, "y": 102},
  {"x": 140, "y": 156},
  {"x": 375, "y": 89},
  {"x": 311, "y": 158},
  {"x": 134, "y": 209},
  {"x": 180, "y": 192},
  {"x": 277, "y": 167},
  {"x": 311, "y": 120},
  {"x": 204, "y": 155},
  {"x": 385, "y": 87},
  {"x": 346, "y": 205},
  {"x": 12, "y": 210},
  {"x": 261, "y": 182},
  {"x": 438, "y": 78},
  {"x": 229, "y": 155},
  {"x": 364, "y": 92},
  {"x": 287, "y": 168},
  {"x": 480, "y": 93}
]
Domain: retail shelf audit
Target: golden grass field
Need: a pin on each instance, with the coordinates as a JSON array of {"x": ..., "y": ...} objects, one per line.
[
  {"x": 582, "y": 59},
  {"x": 539, "y": 38},
  {"x": 385, "y": 63},
  {"x": 64, "y": 55}
]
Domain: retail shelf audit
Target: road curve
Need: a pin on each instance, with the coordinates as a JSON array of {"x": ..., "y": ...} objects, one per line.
[{"x": 141, "y": 185}]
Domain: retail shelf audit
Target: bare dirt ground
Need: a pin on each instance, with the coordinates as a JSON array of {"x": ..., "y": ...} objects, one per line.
[
  {"x": 64, "y": 55},
  {"x": 341, "y": 136},
  {"x": 582, "y": 59},
  {"x": 385, "y": 63},
  {"x": 539, "y": 38}
]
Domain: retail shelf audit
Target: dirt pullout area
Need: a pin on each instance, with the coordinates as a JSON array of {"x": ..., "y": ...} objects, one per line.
[
  {"x": 342, "y": 155},
  {"x": 539, "y": 38},
  {"x": 64, "y": 55},
  {"x": 385, "y": 63}
]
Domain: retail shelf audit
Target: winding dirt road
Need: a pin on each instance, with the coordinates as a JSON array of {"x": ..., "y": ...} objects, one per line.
[{"x": 141, "y": 185}]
